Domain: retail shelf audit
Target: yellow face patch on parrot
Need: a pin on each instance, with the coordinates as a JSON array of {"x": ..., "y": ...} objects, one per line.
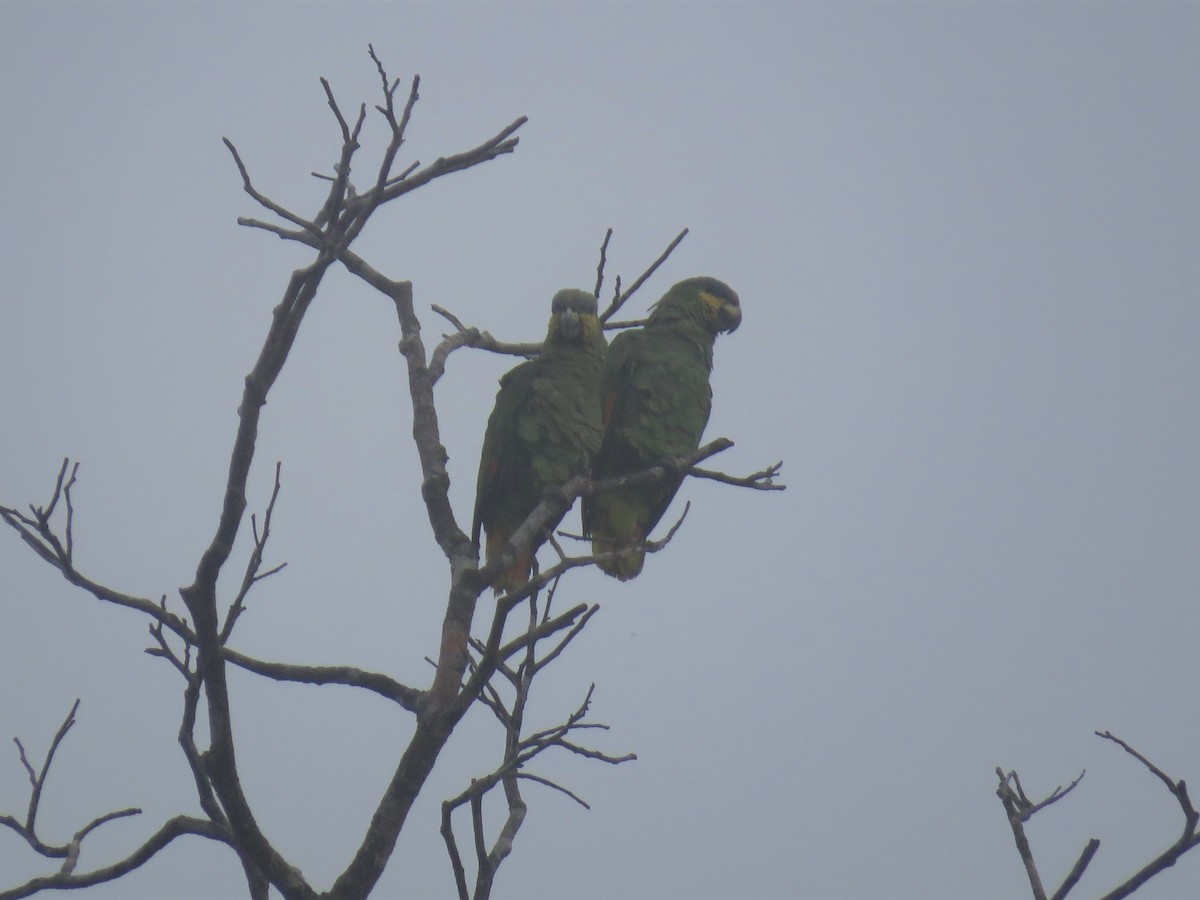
[
  {"x": 722, "y": 311},
  {"x": 591, "y": 325},
  {"x": 714, "y": 304}
]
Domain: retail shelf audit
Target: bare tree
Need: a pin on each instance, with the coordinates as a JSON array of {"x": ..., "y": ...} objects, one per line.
[
  {"x": 1020, "y": 809},
  {"x": 195, "y": 639}
]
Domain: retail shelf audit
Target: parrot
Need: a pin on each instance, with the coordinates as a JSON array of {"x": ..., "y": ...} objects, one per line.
[
  {"x": 656, "y": 400},
  {"x": 545, "y": 427}
]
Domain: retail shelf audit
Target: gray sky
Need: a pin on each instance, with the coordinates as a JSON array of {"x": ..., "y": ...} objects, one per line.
[{"x": 965, "y": 237}]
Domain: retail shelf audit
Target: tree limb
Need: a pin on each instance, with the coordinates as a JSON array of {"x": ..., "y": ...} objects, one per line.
[
  {"x": 1019, "y": 809},
  {"x": 346, "y": 218},
  {"x": 1013, "y": 803},
  {"x": 408, "y": 698},
  {"x": 66, "y": 877},
  {"x": 1187, "y": 840},
  {"x": 171, "y": 829}
]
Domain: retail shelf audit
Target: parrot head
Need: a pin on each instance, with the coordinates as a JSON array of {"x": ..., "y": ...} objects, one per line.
[
  {"x": 713, "y": 299},
  {"x": 573, "y": 317}
]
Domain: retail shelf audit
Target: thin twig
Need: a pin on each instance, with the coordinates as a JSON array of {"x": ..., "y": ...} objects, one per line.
[
  {"x": 623, "y": 296},
  {"x": 262, "y": 199},
  {"x": 762, "y": 480},
  {"x": 68, "y": 852},
  {"x": 600, "y": 266},
  {"x": 36, "y": 794},
  {"x": 252, "y": 575},
  {"x": 43, "y": 516},
  {"x": 529, "y": 776}
]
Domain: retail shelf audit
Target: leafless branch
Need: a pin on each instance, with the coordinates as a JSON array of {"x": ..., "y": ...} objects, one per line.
[
  {"x": 344, "y": 222},
  {"x": 27, "y": 830},
  {"x": 471, "y": 337},
  {"x": 40, "y": 523},
  {"x": 1019, "y": 809},
  {"x": 499, "y": 144},
  {"x": 171, "y": 829},
  {"x": 439, "y": 712},
  {"x": 456, "y": 863},
  {"x": 46, "y": 544},
  {"x": 763, "y": 480},
  {"x": 538, "y": 742},
  {"x": 1014, "y": 802},
  {"x": 35, "y": 795},
  {"x": 1077, "y": 870},
  {"x": 1188, "y": 839},
  {"x": 348, "y": 137},
  {"x": 623, "y": 296},
  {"x": 38, "y": 534},
  {"x": 449, "y": 317},
  {"x": 540, "y": 779},
  {"x": 262, "y": 199},
  {"x": 1177, "y": 788},
  {"x": 518, "y": 751},
  {"x": 70, "y": 526},
  {"x": 76, "y": 842},
  {"x": 550, "y": 626},
  {"x": 408, "y": 698},
  {"x": 43, "y": 515},
  {"x": 627, "y": 323},
  {"x": 600, "y": 266},
  {"x": 1026, "y": 807},
  {"x": 253, "y": 575},
  {"x": 182, "y": 664}
]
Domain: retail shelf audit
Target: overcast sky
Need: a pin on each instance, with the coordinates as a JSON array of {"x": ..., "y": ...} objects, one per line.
[{"x": 966, "y": 238}]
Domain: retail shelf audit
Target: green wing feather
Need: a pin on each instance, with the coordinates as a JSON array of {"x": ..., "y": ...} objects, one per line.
[
  {"x": 545, "y": 427},
  {"x": 656, "y": 400}
]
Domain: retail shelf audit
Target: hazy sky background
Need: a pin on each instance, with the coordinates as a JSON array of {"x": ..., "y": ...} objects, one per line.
[{"x": 965, "y": 237}]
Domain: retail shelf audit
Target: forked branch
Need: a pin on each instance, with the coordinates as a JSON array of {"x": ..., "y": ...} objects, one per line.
[
  {"x": 66, "y": 877},
  {"x": 620, "y": 297},
  {"x": 168, "y": 832},
  {"x": 1019, "y": 809},
  {"x": 340, "y": 221},
  {"x": 519, "y": 751},
  {"x": 253, "y": 574}
]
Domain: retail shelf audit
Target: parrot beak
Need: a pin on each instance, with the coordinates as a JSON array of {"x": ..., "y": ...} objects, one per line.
[
  {"x": 569, "y": 324},
  {"x": 729, "y": 318}
]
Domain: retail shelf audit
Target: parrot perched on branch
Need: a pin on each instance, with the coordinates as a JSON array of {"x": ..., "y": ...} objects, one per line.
[
  {"x": 546, "y": 426},
  {"x": 656, "y": 399}
]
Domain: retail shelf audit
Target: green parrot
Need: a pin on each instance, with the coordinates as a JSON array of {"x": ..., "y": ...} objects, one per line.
[
  {"x": 656, "y": 400},
  {"x": 546, "y": 426}
]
